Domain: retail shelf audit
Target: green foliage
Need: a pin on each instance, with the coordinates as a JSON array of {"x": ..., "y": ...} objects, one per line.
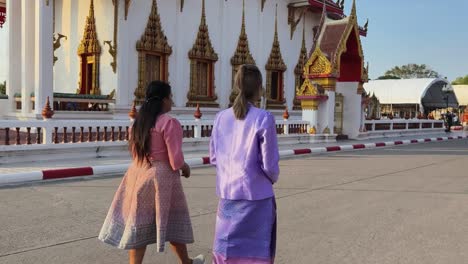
[
  {"x": 388, "y": 77},
  {"x": 461, "y": 80},
  {"x": 412, "y": 71},
  {"x": 3, "y": 88}
]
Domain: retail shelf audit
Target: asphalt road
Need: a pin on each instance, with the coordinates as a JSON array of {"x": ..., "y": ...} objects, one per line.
[{"x": 406, "y": 204}]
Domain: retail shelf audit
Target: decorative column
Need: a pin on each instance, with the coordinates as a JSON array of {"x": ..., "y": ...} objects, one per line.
[
  {"x": 44, "y": 54},
  {"x": 28, "y": 56},
  {"x": 14, "y": 58},
  {"x": 310, "y": 113},
  {"x": 123, "y": 95}
]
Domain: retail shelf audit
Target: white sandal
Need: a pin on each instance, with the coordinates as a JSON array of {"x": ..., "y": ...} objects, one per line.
[{"x": 200, "y": 259}]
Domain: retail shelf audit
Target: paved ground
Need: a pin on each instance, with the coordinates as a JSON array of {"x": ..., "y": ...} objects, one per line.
[{"x": 393, "y": 205}]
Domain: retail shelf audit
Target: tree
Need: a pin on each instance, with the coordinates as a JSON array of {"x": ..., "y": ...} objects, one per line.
[
  {"x": 3, "y": 88},
  {"x": 388, "y": 77},
  {"x": 461, "y": 80},
  {"x": 412, "y": 71}
]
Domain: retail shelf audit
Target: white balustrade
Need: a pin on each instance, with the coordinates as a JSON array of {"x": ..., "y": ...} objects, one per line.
[
  {"x": 395, "y": 125},
  {"x": 14, "y": 133}
]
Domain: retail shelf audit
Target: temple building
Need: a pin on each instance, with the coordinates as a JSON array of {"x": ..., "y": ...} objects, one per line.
[{"x": 93, "y": 59}]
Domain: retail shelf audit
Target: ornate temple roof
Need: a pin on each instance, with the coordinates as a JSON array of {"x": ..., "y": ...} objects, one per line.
[{"x": 335, "y": 10}]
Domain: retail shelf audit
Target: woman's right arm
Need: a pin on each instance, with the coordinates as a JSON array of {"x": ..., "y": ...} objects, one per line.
[{"x": 213, "y": 139}]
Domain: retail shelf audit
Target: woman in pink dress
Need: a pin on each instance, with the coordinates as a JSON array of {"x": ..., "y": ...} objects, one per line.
[{"x": 150, "y": 206}]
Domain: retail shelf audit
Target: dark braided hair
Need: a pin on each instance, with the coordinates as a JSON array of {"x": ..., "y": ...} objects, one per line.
[{"x": 150, "y": 110}]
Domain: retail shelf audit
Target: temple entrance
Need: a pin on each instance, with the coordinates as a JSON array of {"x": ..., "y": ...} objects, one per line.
[
  {"x": 338, "y": 128},
  {"x": 86, "y": 75}
]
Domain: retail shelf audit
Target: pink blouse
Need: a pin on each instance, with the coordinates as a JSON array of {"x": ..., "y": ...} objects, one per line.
[{"x": 166, "y": 141}]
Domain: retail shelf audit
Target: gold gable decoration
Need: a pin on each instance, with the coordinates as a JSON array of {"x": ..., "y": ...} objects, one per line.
[
  {"x": 307, "y": 89},
  {"x": 89, "y": 51},
  {"x": 241, "y": 56},
  {"x": 318, "y": 64},
  {"x": 202, "y": 61},
  {"x": 152, "y": 45},
  {"x": 351, "y": 28}
]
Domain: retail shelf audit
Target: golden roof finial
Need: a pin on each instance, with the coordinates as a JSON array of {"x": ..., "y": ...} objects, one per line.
[
  {"x": 91, "y": 9},
  {"x": 353, "y": 10},
  {"x": 90, "y": 43},
  {"x": 275, "y": 61},
  {"x": 203, "y": 10},
  {"x": 202, "y": 48},
  {"x": 242, "y": 54},
  {"x": 319, "y": 28},
  {"x": 243, "y": 17},
  {"x": 303, "y": 34},
  {"x": 276, "y": 22}
]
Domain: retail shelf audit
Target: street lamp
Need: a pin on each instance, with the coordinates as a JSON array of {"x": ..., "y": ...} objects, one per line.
[{"x": 447, "y": 90}]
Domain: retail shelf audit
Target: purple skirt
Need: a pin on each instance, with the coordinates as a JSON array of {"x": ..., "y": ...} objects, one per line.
[{"x": 245, "y": 232}]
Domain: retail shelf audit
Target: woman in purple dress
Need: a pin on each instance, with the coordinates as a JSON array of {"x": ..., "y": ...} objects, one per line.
[{"x": 244, "y": 149}]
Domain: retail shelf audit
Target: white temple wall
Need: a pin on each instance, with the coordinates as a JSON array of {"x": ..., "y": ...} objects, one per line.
[
  {"x": 224, "y": 23},
  {"x": 351, "y": 108}
]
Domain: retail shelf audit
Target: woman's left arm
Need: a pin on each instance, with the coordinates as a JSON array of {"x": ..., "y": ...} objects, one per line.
[
  {"x": 172, "y": 133},
  {"x": 269, "y": 148}
]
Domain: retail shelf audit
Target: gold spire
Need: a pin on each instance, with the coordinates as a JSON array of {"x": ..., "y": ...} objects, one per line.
[
  {"x": 353, "y": 10},
  {"x": 153, "y": 39},
  {"x": 320, "y": 28},
  {"x": 302, "y": 55},
  {"x": 263, "y": 4},
  {"x": 202, "y": 48},
  {"x": 90, "y": 43},
  {"x": 242, "y": 54},
  {"x": 275, "y": 61},
  {"x": 127, "y": 6}
]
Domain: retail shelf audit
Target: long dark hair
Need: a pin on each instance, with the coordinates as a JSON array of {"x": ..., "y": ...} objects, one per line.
[
  {"x": 248, "y": 82},
  {"x": 149, "y": 111}
]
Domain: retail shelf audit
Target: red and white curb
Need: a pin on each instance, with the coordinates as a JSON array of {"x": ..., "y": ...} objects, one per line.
[{"x": 44, "y": 175}]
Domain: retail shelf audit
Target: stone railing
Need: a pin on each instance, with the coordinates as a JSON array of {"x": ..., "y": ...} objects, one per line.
[
  {"x": 398, "y": 125},
  {"x": 291, "y": 127},
  {"x": 74, "y": 102},
  {"x": 38, "y": 133}
]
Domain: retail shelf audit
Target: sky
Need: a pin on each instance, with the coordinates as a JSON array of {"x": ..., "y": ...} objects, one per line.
[{"x": 431, "y": 32}]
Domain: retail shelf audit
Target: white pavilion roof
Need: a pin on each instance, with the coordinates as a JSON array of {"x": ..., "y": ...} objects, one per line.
[{"x": 411, "y": 91}]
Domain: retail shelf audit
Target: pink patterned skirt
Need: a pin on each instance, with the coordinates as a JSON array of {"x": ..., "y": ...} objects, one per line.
[{"x": 149, "y": 207}]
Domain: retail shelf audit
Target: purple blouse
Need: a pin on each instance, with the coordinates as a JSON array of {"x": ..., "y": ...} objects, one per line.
[{"x": 246, "y": 155}]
